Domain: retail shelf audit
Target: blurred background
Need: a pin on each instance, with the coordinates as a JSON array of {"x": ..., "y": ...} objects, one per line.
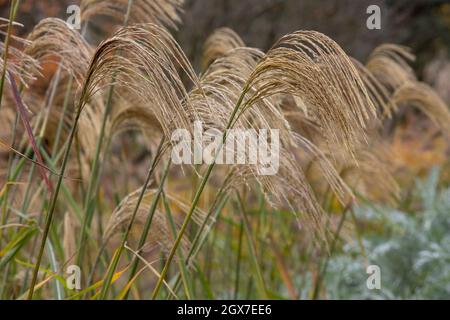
[{"x": 423, "y": 25}]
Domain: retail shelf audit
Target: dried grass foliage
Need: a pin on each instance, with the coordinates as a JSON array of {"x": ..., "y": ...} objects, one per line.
[
  {"x": 19, "y": 64},
  {"x": 219, "y": 43},
  {"x": 161, "y": 12},
  {"x": 393, "y": 84},
  {"x": 148, "y": 68},
  {"x": 159, "y": 233},
  {"x": 326, "y": 105},
  {"x": 53, "y": 41},
  {"x": 137, "y": 86},
  {"x": 315, "y": 69},
  {"x": 389, "y": 64},
  {"x": 423, "y": 97}
]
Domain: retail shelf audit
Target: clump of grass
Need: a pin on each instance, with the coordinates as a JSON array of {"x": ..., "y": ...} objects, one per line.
[{"x": 328, "y": 108}]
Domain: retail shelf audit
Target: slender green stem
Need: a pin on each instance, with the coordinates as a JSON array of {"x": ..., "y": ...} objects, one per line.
[
  {"x": 116, "y": 257},
  {"x": 181, "y": 260},
  {"x": 200, "y": 239},
  {"x": 63, "y": 115},
  {"x": 89, "y": 198},
  {"x": 238, "y": 262},
  {"x": 196, "y": 199},
  {"x": 48, "y": 103},
  {"x": 8, "y": 175},
  {"x": 12, "y": 16},
  {"x": 103, "y": 246},
  {"x": 148, "y": 223},
  {"x": 52, "y": 207},
  {"x": 323, "y": 271},
  {"x": 252, "y": 248},
  {"x": 181, "y": 232}
]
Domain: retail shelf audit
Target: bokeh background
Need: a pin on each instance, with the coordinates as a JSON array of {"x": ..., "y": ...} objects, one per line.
[{"x": 423, "y": 25}]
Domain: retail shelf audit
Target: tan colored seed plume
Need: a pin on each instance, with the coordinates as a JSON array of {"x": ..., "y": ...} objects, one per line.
[
  {"x": 389, "y": 64},
  {"x": 314, "y": 68},
  {"x": 379, "y": 93},
  {"x": 159, "y": 231},
  {"x": 263, "y": 80},
  {"x": 149, "y": 68},
  {"x": 161, "y": 12},
  {"x": 53, "y": 41},
  {"x": 122, "y": 215},
  {"x": 219, "y": 43},
  {"x": 373, "y": 178},
  {"x": 423, "y": 97},
  {"x": 19, "y": 63}
]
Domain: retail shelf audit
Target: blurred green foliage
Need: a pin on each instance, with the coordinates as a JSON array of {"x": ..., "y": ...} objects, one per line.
[{"x": 413, "y": 250}]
